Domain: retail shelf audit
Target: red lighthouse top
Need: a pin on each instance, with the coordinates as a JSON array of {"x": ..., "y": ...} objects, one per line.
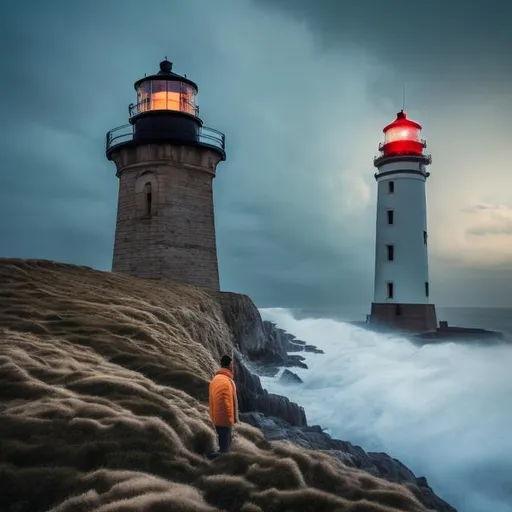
[{"x": 402, "y": 137}]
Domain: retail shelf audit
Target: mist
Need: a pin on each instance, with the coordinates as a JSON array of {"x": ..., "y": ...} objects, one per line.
[{"x": 443, "y": 410}]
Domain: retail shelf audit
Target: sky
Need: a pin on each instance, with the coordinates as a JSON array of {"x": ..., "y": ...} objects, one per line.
[{"x": 302, "y": 90}]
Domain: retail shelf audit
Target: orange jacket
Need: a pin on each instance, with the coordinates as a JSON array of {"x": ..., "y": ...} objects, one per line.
[{"x": 223, "y": 404}]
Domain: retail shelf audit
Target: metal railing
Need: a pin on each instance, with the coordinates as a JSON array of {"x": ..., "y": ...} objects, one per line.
[
  {"x": 382, "y": 157},
  {"x": 211, "y": 137},
  {"x": 119, "y": 135},
  {"x": 382, "y": 144},
  {"x": 147, "y": 105},
  {"x": 206, "y": 137}
]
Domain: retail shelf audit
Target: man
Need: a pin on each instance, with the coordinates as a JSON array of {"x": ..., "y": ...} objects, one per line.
[{"x": 223, "y": 403}]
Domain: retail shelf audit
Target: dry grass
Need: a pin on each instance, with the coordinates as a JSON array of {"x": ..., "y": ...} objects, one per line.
[{"x": 103, "y": 389}]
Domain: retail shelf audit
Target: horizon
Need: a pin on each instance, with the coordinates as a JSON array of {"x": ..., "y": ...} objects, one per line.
[{"x": 295, "y": 200}]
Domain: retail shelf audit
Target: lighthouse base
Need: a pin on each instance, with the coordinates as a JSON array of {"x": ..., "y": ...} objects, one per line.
[{"x": 406, "y": 317}]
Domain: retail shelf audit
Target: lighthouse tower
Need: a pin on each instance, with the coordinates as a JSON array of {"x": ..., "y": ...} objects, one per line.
[
  {"x": 166, "y": 161},
  {"x": 401, "y": 296}
]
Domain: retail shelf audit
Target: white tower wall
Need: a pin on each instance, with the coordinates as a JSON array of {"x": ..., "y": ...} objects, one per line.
[{"x": 408, "y": 271}]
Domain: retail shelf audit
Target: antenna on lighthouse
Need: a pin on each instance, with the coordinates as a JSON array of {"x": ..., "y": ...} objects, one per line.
[{"x": 403, "y": 99}]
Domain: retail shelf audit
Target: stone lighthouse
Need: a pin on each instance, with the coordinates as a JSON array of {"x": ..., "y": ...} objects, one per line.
[
  {"x": 401, "y": 294},
  {"x": 166, "y": 161}
]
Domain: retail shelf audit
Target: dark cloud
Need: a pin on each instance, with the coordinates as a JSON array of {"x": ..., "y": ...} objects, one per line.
[
  {"x": 302, "y": 94},
  {"x": 438, "y": 40}
]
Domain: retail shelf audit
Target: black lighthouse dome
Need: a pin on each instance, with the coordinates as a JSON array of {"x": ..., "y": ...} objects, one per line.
[{"x": 165, "y": 112}]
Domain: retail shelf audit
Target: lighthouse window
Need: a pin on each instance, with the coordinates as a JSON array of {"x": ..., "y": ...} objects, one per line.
[
  {"x": 425, "y": 237},
  {"x": 390, "y": 290},
  {"x": 149, "y": 198},
  {"x": 166, "y": 95},
  {"x": 402, "y": 133},
  {"x": 426, "y": 289},
  {"x": 391, "y": 216},
  {"x": 146, "y": 195},
  {"x": 391, "y": 252},
  {"x": 391, "y": 187}
]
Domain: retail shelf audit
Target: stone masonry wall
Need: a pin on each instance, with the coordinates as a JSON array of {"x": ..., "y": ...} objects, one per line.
[{"x": 175, "y": 237}]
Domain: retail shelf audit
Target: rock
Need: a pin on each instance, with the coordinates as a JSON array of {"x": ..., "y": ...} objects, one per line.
[
  {"x": 260, "y": 341},
  {"x": 313, "y": 349},
  {"x": 347, "y": 458},
  {"x": 266, "y": 347},
  {"x": 253, "y": 398},
  {"x": 253, "y": 343},
  {"x": 244, "y": 321},
  {"x": 251, "y": 334},
  {"x": 376, "y": 464},
  {"x": 285, "y": 340},
  {"x": 252, "y": 418},
  {"x": 295, "y": 361},
  {"x": 391, "y": 469},
  {"x": 289, "y": 377},
  {"x": 296, "y": 347},
  {"x": 265, "y": 371}
]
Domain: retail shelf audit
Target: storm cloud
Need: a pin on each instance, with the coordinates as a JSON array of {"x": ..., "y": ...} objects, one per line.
[{"x": 302, "y": 93}]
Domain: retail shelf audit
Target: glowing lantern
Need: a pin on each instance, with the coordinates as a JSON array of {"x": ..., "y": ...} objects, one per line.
[
  {"x": 166, "y": 91},
  {"x": 402, "y": 137},
  {"x": 165, "y": 113}
]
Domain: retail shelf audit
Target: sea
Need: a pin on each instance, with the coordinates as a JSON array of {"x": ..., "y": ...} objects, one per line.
[{"x": 444, "y": 410}]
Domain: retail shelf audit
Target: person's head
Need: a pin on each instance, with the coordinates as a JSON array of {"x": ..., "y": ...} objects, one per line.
[{"x": 225, "y": 362}]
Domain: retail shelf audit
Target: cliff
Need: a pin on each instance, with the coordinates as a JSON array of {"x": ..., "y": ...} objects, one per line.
[
  {"x": 265, "y": 352},
  {"x": 103, "y": 405},
  {"x": 265, "y": 344}
]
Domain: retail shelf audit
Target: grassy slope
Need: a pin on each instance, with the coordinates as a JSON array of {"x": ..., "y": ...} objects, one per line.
[{"x": 103, "y": 390}]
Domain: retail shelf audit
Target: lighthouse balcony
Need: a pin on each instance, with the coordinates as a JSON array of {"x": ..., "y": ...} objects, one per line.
[
  {"x": 382, "y": 159},
  {"x": 402, "y": 149},
  {"x": 207, "y": 137}
]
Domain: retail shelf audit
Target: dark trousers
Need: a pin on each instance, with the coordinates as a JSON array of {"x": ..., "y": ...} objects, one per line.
[{"x": 224, "y": 435}]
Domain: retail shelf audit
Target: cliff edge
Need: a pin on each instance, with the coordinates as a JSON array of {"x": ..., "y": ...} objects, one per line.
[
  {"x": 266, "y": 346},
  {"x": 103, "y": 406}
]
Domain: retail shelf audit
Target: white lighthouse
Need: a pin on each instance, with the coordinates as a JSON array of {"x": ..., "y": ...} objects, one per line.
[{"x": 401, "y": 295}]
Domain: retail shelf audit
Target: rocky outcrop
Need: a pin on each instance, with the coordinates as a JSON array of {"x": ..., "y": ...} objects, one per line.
[
  {"x": 377, "y": 464},
  {"x": 289, "y": 377},
  {"x": 261, "y": 342},
  {"x": 244, "y": 321},
  {"x": 263, "y": 348},
  {"x": 252, "y": 397},
  {"x": 253, "y": 345},
  {"x": 285, "y": 341}
]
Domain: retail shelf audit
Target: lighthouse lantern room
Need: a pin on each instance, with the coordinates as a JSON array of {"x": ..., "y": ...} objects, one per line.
[
  {"x": 401, "y": 289},
  {"x": 166, "y": 91},
  {"x": 165, "y": 112}
]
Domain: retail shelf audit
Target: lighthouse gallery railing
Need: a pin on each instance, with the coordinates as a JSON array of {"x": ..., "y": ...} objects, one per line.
[{"x": 206, "y": 137}]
